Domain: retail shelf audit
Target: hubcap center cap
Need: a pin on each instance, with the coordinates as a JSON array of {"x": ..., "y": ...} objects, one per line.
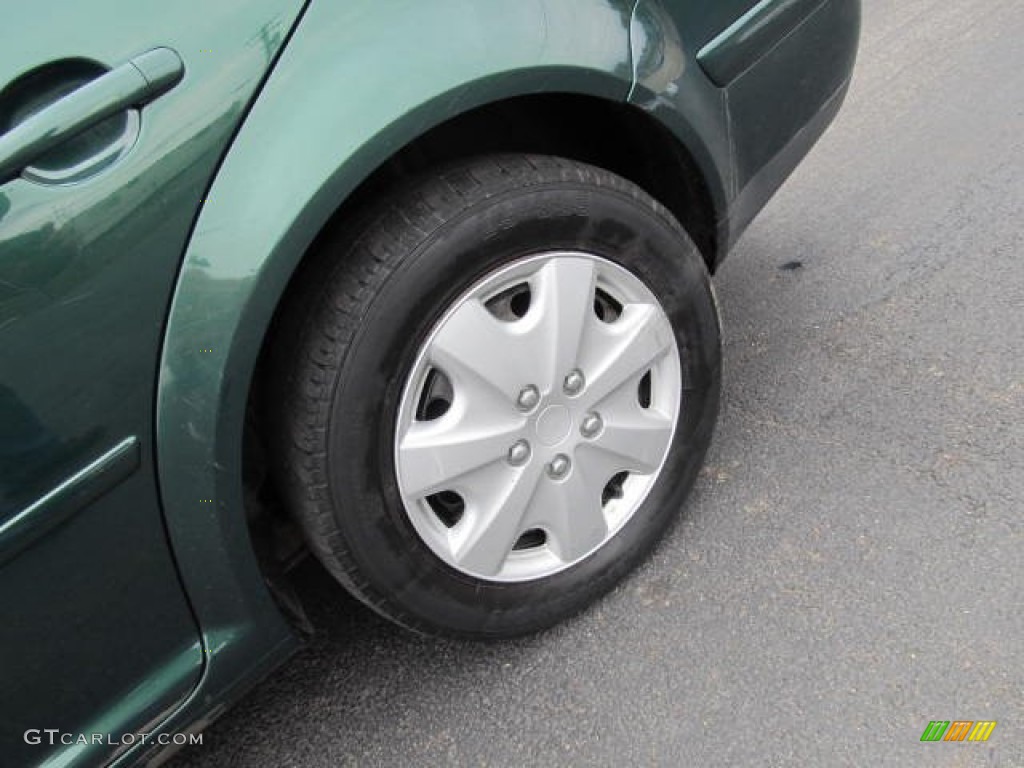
[{"x": 554, "y": 425}]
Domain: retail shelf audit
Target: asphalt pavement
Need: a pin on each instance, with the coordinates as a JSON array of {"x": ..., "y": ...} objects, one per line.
[{"x": 851, "y": 564}]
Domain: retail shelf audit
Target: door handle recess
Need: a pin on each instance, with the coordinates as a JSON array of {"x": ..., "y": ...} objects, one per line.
[{"x": 131, "y": 85}]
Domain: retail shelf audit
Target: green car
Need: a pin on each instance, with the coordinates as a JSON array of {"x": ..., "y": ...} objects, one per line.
[{"x": 419, "y": 287}]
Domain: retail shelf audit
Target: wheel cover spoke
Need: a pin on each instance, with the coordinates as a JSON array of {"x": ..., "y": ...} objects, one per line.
[
  {"x": 633, "y": 344},
  {"x": 542, "y": 424},
  {"x": 637, "y": 439},
  {"x": 565, "y": 301},
  {"x": 570, "y": 512},
  {"x": 497, "y": 524},
  {"x": 433, "y": 455},
  {"x": 480, "y": 352}
]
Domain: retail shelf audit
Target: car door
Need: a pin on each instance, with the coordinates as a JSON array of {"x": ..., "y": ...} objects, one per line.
[{"x": 113, "y": 116}]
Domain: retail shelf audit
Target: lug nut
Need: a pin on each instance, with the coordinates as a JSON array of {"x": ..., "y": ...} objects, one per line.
[
  {"x": 574, "y": 382},
  {"x": 559, "y": 467},
  {"x": 528, "y": 398},
  {"x": 519, "y": 453},
  {"x": 591, "y": 425}
]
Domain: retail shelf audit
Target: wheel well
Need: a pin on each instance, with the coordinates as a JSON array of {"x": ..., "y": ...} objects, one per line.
[{"x": 617, "y": 137}]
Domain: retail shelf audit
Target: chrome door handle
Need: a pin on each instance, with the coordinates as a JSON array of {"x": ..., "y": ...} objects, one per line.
[{"x": 134, "y": 84}]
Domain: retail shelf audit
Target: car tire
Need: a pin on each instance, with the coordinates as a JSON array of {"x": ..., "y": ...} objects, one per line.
[{"x": 407, "y": 328}]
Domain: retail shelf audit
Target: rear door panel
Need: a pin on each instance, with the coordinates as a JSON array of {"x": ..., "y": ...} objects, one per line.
[{"x": 97, "y": 635}]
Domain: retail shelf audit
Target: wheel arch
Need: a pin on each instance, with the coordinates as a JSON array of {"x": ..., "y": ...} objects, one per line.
[{"x": 295, "y": 165}]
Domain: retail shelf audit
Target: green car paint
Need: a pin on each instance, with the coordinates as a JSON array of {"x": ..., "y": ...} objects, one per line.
[
  {"x": 785, "y": 65},
  {"x": 128, "y": 556},
  {"x": 751, "y": 37},
  {"x": 97, "y": 633}
]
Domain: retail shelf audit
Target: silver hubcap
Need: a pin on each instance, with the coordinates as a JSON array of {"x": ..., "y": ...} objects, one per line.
[{"x": 537, "y": 416}]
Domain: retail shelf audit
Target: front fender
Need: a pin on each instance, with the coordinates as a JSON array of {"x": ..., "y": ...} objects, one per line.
[{"x": 358, "y": 81}]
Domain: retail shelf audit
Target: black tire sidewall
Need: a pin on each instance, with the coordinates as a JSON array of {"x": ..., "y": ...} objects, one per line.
[{"x": 394, "y": 563}]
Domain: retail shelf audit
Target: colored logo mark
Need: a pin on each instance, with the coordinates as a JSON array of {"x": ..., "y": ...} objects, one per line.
[{"x": 958, "y": 730}]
